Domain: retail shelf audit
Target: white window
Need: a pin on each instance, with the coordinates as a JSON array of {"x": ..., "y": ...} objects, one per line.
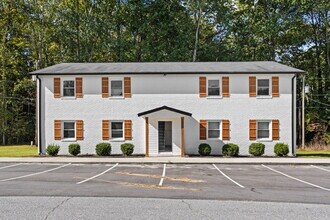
[
  {"x": 263, "y": 87},
  {"x": 213, "y": 129},
  {"x": 263, "y": 130},
  {"x": 116, "y": 88},
  {"x": 213, "y": 87},
  {"x": 68, "y": 129},
  {"x": 68, "y": 88},
  {"x": 117, "y": 129}
]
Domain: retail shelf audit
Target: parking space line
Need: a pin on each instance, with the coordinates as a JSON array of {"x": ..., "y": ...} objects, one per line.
[
  {"x": 90, "y": 178},
  {"x": 14, "y": 165},
  {"x": 163, "y": 175},
  {"x": 320, "y": 168},
  {"x": 228, "y": 177},
  {"x": 294, "y": 178},
  {"x": 34, "y": 174}
]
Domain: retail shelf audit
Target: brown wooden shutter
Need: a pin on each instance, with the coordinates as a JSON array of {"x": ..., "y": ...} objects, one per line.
[
  {"x": 202, "y": 86},
  {"x": 253, "y": 129},
  {"x": 225, "y": 86},
  {"x": 105, "y": 87},
  {"x": 57, "y": 130},
  {"x": 275, "y": 86},
  {"x": 202, "y": 129},
  {"x": 225, "y": 130},
  {"x": 80, "y": 130},
  {"x": 276, "y": 129},
  {"x": 252, "y": 86},
  {"x": 128, "y": 130},
  {"x": 57, "y": 87},
  {"x": 127, "y": 87},
  {"x": 105, "y": 129},
  {"x": 79, "y": 86}
]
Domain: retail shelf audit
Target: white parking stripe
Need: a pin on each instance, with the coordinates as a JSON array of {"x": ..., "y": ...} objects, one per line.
[
  {"x": 98, "y": 174},
  {"x": 14, "y": 165},
  {"x": 320, "y": 168},
  {"x": 294, "y": 178},
  {"x": 34, "y": 174},
  {"x": 228, "y": 177},
  {"x": 163, "y": 176}
]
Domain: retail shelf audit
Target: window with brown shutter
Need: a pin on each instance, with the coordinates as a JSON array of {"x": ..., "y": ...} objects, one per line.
[
  {"x": 127, "y": 87},
  {"x": 80, "y": 130},
  {"x": 202, "y": 129},
  {"x": 57, "y": 130},
  {"x": 57, "y": 87},
  {"x": 252, "y": 86},
  {"x": 225, "y": 130},
  {"x": 276, "y": 129},
  {"x": 105, "y": 129},
  {"x": 253, "y": 129},
  {"x": 79, "y": 86},
  {"x": 275, "y": 86},
  {"x": 202, "y": 86},
  {"x": 225, "y": 86},
  {"x": 128, "y": 130},
  {"x": 105, "y": 87}
]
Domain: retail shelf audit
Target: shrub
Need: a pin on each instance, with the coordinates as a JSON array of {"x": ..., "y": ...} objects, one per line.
[
  {"x": 53, "y": 149},
  {"x": 103, "y": 149},
  {"x": 74, "y": 149},
  {"x": 230, "y": 150},
  {"x": 204, "y": 149},
  {"x": 281, "y": 149},
  {"x": 257, "y": 149},
  {"x": 127, "y": 149}
]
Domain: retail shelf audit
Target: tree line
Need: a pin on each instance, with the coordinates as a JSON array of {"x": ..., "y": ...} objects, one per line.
[{"x": 38, "y": 33}]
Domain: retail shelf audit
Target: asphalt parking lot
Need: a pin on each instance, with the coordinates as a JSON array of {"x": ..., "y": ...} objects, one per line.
[{"x": 271, "y": 183}]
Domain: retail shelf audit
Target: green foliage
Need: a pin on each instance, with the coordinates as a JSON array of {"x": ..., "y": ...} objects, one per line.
[
  {"x": 281, "y": 149},
  {"x": 127, "y": 149},
  {"x": 204, "y": 149},
  {"x": 230, "y": 149},
  {"x": 257, "y": 149},
  {"x": 103, "y": 149},
  {"x": 53, "y": 149},
  {"x": 74, "y": 149}
]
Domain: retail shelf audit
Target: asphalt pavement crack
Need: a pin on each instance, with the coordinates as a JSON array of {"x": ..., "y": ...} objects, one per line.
[
  {"x": 56, "y": 207},
  {"x": 189, "y": 206}
]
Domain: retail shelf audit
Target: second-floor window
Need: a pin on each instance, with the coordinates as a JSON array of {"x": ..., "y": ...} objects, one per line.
[
  {"x": 213, "y": 88},
  {"x": 263, "y": 87},
  {"x": 68, "y": 88},
  {"x": 116, "y": 88}
]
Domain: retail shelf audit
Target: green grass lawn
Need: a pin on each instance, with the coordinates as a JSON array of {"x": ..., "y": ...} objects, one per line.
[
  {"x": 18, "y": 151},
  {"x": 313, "y": 153}
]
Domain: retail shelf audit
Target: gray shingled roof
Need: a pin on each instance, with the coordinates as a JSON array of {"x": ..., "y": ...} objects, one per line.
[{"x": 167, "y": 67}]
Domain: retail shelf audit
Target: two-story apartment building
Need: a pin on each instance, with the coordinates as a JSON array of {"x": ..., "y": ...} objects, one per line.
[{"x": 167, "y": 108}]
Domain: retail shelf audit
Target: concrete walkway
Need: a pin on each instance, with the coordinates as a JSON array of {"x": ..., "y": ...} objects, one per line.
[{"x": 174, "y": 160}]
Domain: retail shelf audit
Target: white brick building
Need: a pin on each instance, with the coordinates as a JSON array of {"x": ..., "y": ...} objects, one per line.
[{"x": 167, "y": 108}]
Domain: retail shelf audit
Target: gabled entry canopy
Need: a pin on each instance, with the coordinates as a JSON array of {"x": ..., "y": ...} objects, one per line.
[{"x": 164, "y": 109}]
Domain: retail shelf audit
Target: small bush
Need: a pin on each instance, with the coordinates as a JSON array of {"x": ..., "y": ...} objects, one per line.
[
  {"x": 281, "y": 149},
  {"x": 204, "y": 149},
  {"x": 257, "y": 149},
  {"x": 53, "y": 149},
  {"x": 230, "y": 150},
  {"x": 74, "y": 149},
  {"x": 127, "y": 149},
  {"x": 103, "y": 149}
]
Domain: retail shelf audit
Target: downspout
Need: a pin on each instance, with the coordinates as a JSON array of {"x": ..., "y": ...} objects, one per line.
[
  {"x": 293, "y": 109},
  {"x": 39, "y": 115}
]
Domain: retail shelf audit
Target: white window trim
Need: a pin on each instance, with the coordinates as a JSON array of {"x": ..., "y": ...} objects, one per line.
[
  {"x": 220, "y": 88},
  {"x": 270, "y": 88},
  {"x": 74, "y": 88},
  {"x": 122, "y": 89},
  {"x": 269, "y": 139},
  {"x": 207, "y": 130},
  {"x": 75, "y": 132},
  {"x": 121, "y": 138}
]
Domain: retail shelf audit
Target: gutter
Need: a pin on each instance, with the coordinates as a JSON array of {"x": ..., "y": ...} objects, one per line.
[
  {"x": 293, "y": 109},
  {"x": 39, "y": 115}
]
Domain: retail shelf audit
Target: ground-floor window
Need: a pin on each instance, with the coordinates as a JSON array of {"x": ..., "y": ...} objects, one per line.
[
  {"x": 213, "y": 129},
  {"x": 68, "y": 129},
  {"x": 117, "y": 129},
  {"x": 263, "y": 129}
]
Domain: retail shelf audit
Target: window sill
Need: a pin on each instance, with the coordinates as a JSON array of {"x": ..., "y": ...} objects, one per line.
[
  {"x": 214, "y": 97},
  {"x": 264, "y": 97},
  {"x": 264, "y": 140},
  {"x": 68, "y": 98},
  {"x": 116, "y": 97},
  {"x": 69, "y": 140},
  {"x": 213, "y": 139},
  {"x": 117, "y": 140}
]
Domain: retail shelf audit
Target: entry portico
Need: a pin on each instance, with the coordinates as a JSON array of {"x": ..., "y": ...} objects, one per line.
[{"x": 164, "y": 131}]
